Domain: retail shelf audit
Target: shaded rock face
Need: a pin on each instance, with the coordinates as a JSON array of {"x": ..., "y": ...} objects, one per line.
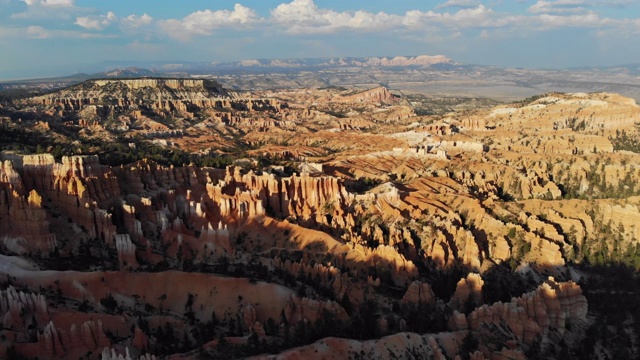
[
  {"x": 419, "y": 293},
  {"x": 58, "y": 343},
  {"x": 468, "y": 293},
  {"x": 16, "y": 308},
  {"x": 527, "y": 317},
  {"x": 393, "y": 346},
  {"x": 550, "y": 306}
]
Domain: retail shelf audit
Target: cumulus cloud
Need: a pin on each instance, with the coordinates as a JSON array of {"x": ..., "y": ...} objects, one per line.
[
  {"x": 134, "y": 21},
  {"x": 50, "y": 3},
  {"x": 96, "y": 22},
  {"x": 304, "y": 16},
  {"x": 99, "y": 22},
  {"x": 478, "y": 17},
  {"x": 206, "y": 21},
  {"x": 297, "y": 17},
  {"x": 555, "y": 14}
]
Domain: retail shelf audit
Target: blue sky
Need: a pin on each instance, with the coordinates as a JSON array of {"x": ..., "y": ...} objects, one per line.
[{"x": 56, "y": 37}]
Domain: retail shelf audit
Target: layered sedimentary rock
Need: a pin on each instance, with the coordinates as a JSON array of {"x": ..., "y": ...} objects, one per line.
[
  {"x": 393, "y": 346},
  {"x": 527, "y": 317},
  {"x": 111, "y": 97},
  {"x": 468, "y": 292},
  {"x": 401, "y": 346},
  {"x": 550, "y": 306},
  {"x": 398, "y": 225},
  {"x": 380, "y": 95},
  {"x": 16, "y": 305},
  {"x": 112, "y": 354},
  {"x": 419, "y": 293}
]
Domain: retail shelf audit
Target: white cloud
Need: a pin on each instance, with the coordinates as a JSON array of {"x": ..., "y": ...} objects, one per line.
[
  {"x": 458, "y": 3},
  {"x": 206, "y": 21},
  {"x": 99, "y": 22},
  {"x": 50, "y": 3},
  {"x": 559, "y": 7},
  {"x": 48, "y": 9},
  {"x": 96, "y": 22},
  {"x": 134, "y": 21},
  {"x": 303, "y": 16},
  {"x": 587, "y": 20},
  {"x": 477, "y": 17},
  {"x": 450, "y": 17}
]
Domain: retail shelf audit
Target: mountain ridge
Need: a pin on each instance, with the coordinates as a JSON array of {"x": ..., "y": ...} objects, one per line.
[{"x": 425, "y": 74}]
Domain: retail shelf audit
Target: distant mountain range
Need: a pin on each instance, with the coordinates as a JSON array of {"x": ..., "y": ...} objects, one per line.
[
  {"x": 187, "y": 69},
  {"x": 415, "y": 74},
  {"x": 631, "y": 69},
  {"x": 398, "y": 61},
  {"x": 331, "y": 62}
]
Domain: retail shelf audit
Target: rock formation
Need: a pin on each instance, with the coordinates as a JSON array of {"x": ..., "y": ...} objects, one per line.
[
  {"x": 550, "y": 306},
  {"x": 468, "y": 290},
  {"x": 288, "y": 217}
]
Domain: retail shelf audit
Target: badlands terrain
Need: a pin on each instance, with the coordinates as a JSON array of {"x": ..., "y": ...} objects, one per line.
[{"x": 154, "y": 218}]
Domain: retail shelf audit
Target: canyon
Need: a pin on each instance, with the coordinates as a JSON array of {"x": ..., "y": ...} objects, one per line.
[{"x": 173, "y": 218}]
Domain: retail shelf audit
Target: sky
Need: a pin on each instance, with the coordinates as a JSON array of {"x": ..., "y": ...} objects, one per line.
[{"x": 61, "y": 37}]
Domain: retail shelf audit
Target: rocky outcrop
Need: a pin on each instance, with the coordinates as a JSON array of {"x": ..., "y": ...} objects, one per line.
[
  {"x": 420, "y": 60},
  {"x": 420, "y": 294},
  {"x": 17, "y": 307},
  {"x": 216, "y": 239},
  {"x": 126, "y": 251},
  {"x": 379, "y": 95},
  {"x": 140, "y": 339},
  {"x": 383, "y": 220},
  {"x": 90, "y": 336},
  {"x": 298, "y": 196},
  {"x": 305, "y": 309},
  {"x": 22, "y": 216},
  {"x": 50, "y": 341},
  {"x": 10, "y": 177},
  {"x": 533, "y": 314},
  {"x": 76, "y": 341},
  {"x": 112, "y": 354},
  {"x": 397, "y": 346},
  {"x": 110, "y": 97},
  {"x": 468, "y": 294},
  {"x": 175, "y": 84}
]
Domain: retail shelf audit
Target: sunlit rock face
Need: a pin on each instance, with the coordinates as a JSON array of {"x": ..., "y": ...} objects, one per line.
[{"x": 342, "y": 225}]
